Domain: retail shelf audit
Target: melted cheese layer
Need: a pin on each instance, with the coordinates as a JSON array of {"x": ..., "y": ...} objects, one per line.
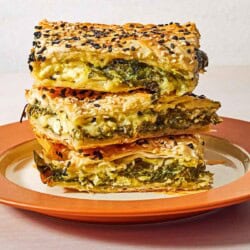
[{"x": 80, "y": 75}]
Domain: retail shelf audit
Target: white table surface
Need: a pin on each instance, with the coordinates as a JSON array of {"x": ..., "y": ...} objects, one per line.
[{"x": 227, "y": 228}]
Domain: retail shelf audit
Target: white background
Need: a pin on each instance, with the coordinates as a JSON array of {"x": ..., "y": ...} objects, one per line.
[{"x": 224, "y": 24}]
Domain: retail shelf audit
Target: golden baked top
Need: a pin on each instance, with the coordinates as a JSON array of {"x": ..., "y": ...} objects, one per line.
[{"x": 79, "y": 53}]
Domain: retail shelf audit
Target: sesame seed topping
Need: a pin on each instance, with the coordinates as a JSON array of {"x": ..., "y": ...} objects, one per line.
[
  {"x": 50, "y": 37},
  {"x": 37, "y": 34}
]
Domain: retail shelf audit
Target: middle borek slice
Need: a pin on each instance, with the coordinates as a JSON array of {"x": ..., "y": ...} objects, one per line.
[{"x": 87, "y": 119}]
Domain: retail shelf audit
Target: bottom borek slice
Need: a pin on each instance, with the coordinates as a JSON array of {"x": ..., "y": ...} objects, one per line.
[{"x": 161, "y": 164}]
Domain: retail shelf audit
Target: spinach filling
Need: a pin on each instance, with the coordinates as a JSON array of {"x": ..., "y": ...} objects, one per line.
[
  {"x": 36, "y": 110},
  {"x": 135, "y": 74},
  {"x": 122, "y": 73},
  {"x": 109, "y": 127},
  {"x": 137, "y": 171},
  {"x": 172, "y": 118},
  {"x": 131, "y": 73}
]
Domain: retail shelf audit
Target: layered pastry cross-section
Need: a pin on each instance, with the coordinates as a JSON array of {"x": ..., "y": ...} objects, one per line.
[
  {"x": 162, "y": 58},
  {"x": 113, "y": 110},
  {"x": 167, "y": 163},
  {"x": 87, "y": 119}
]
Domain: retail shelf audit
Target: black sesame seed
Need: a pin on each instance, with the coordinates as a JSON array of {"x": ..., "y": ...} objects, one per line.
[
  {"x": 46, "y": 35},
  {"x": 38, "y": 27},
  {"x": 68, "y": 163},
  {"x": 30, "y": 68},
  {"x": 110, "y": 48},
  {"x": 182, "y": 38},
  {"x": 31, "y": 57},
  {"x": 189, "y": 51},
  {"x": 56, "y": 42},
  {"x": 202, "y": 97},
  {"x": 42, "y": 50},
  {"x": 93, "y": 119},
  {"x": 68, "y": 46},
  {"x": 63, "y": 92},
  {"x": 175, "y": 38},
  {"x": 37, "y": 34},
  {"x": 139, "y": 113},
  {"x": 59, "y": 154},
  {"x": 98, "y": 154},
  {"x": 161, "y": 41},
  {"x": 125, "y": 49},
  {"x": 97, "y": 105},
  {"x": 192, "y": 94},
  {"x": 162, "y": 35},
  {"x": 96, "y": 46},
  {"x": 190, "y": 145},
  {"x": 41, "y": 58},
  {"x": 113, "y": 39},
  {"x": 43, "y": 96},
  {"x": 172, "y": 46},
  {"x": 145, "y": 34},
  {"x": 133, "y": 48},
  {"x": 187, "y": 43}
]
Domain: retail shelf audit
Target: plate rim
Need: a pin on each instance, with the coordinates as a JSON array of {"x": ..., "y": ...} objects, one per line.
[{"x": 14, "y": 134}]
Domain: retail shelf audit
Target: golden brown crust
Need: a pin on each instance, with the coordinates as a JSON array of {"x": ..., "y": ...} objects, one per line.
[
  {"x": 171, "y": 47},
  {"x": 76, "y": 166},
  {"x": 167, "y": 145},
  {"x": 89, "y": 103}
]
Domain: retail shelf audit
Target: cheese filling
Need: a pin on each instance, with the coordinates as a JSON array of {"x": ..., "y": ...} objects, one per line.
[
  {"x": 132, "y": 172},
  {"x": 126, "y": 125},
  {"x": 119, "y": 75}
]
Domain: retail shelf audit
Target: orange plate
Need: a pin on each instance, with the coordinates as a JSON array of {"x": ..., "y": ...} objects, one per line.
[{"x": 128, "y": 211}]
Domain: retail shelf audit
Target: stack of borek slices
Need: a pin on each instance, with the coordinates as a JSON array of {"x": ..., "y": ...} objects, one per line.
[{"x": 113, "y": 110}]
